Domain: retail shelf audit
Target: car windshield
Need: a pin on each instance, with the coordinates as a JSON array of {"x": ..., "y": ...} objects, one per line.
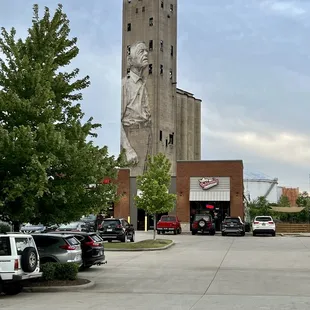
[
  {"x": 206, "y": 217},
  {"x": 263, "y": 219},
  {"x": 168, "y": 219},
  {"x": 5, "y": 247},
  {"x": 69, "y": 226},
  {"x": 110, "y": 223}
]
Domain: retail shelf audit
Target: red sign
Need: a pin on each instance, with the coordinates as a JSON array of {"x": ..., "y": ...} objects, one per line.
[
  {"x": 210, "y": 207},
  {"x": 106, "y": 181},
  {"x": 206, "y": 183}
]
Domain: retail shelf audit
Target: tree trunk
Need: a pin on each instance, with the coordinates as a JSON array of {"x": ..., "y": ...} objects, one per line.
[{"x": 154, "y": 225}]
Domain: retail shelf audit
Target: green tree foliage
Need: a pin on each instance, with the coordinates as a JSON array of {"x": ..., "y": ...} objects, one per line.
[
  {"x": 154, "y": 187},
  {"x": 47, "y": 158},
  {"x": 303, "y": 200},
  {"x": 260, "y": 206},
  {"x": 284, "y": 202}
]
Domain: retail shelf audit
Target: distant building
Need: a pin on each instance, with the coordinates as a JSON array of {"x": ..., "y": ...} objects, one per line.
[
  {"x": 257, "y": 184},
  {"x": 290, "y": 193}
]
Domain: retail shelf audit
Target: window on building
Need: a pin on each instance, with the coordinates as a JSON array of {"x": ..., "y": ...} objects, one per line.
[
  {"x": 161, "y": 69},
  {"x": 170, "y": 74},
  {"x": 128, "y": 49},
  {"x": 161, "y": 45},
  {"x": 150, "y": 68},
  {"x": 166, "y": 142},
  {"x": 160, "y": 135},
  {"x": 143, "y": 9},
  {"x": 171, "y": 139},
  {"x": 171, "y": 7},
  {"x": 137, "y": 10},
  {"x": 162, "y": 4},
  {"x": 171, "y": 50},
  {"x": 151, "y": 21},
  {"x": 129, "y": 27},
  {"x": 151, "y": 45}
]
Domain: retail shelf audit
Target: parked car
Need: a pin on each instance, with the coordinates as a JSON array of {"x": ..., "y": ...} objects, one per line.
[
  {"x": 19, "y": 261},
  {"x": 90, "y": 221},
  {"x": 233, "y": 225},
  {"x": 92, "y": 248},
  {"x": 117, "y": 229},
  {"x": 169, "y": 223},
  {"x": 61, "y": 248},
  {"x": 203, "y": 223},
  {"x": 263, "y": 225},
  {"x": 74, "y": 226}
]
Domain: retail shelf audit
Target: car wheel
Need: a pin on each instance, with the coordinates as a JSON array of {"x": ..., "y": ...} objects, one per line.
[
  {"x": 194, "y": 232},
  {"x": 124, "y": 238},
  {"x": 29, "y": 259},
  {"x": 132, "y": 239},
  {"x": 12, "y": 289},
  {"x": 212, "y": 232},
  {"x": 180, "y": 231},
  {"x": 254, "y": 234},
  {"x": 242, "y": 234},
  {"x": 175, "y": 232},
  {"x": 223, "y": 234},
  {"x": 274, "y": 234},
  {"x": 158, "y": 232}
]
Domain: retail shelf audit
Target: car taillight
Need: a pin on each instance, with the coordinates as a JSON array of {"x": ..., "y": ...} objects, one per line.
[
  {"x": 256, "y": 222},
  {"x": 92, "y": 243},
  {"x": 16, "y": 264},
  {"x": 67, "y": 247},
  {"x": 270, "y": 222},
  {"x": 195, "y": 225}
]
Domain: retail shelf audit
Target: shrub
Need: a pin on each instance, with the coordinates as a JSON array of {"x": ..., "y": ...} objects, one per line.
[
  {"x": 48, "y": 270},
  {"x": 66, "y": 271},
  {"x": 4, "y": 227}
]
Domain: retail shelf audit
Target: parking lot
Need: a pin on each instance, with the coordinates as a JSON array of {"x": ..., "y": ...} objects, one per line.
[{"x": 199, "y": 272}]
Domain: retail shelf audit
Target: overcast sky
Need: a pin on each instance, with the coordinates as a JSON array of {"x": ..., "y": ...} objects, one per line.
[{"x": 248, "y": 60}]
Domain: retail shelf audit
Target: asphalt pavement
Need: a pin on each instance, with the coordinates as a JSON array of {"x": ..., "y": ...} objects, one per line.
[{"x": 197, "y": 273}]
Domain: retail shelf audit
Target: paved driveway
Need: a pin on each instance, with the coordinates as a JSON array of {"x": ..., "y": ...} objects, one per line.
[{"x": 199, "y": 272}]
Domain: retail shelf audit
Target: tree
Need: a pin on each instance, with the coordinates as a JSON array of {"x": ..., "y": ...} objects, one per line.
[
  {"x": 46, "y": 162},
  {"x": 154, "y": 187},
  {"x": 260, "y": 206},
  {"x": 303, "y": 200},
  {"x": 284, "y": 202}
]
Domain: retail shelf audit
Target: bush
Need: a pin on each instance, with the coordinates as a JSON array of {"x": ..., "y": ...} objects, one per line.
[
  {"x": 59, "y": 271},
  {"x": 4, "y": 227},
  {"x": 66, "y": 271},
  {"x": 48, "y": 270}
]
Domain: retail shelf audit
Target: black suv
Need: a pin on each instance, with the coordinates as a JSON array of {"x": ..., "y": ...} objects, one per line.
[
  {"x": 117, "y": 229},
  {"x": 233, "y": 225}
]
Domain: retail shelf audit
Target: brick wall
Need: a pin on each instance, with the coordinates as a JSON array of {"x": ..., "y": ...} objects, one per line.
[
  {"x": 187, "y": 169},
  {"x": 122, "y": 208}
]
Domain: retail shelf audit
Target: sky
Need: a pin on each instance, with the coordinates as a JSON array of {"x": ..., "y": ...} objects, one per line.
[{"x": 247, "y": 60}]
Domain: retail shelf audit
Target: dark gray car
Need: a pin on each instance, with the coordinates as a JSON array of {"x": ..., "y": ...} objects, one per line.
[{"x": 233, "y": 225}]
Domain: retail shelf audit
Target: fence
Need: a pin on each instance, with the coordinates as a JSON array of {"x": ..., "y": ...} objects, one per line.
[{"x": 292, "y": 228}]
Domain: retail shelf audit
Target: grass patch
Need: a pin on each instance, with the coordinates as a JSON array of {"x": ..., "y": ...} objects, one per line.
[{"x": 145, "y": 244}]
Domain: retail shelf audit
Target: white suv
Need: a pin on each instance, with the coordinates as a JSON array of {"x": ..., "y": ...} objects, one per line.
[
  {"x": 263, "y": 225},
  {"x": 19, "y": 261}
]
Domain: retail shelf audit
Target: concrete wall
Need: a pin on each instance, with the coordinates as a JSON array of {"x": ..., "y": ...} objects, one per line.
[
  {"x": 188, "y": 137},
  {"x": 161, "y": 87}
]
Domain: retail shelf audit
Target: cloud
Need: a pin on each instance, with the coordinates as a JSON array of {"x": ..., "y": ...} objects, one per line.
[
  {"x": 286, "y": 8},
  {"x": 257, "y": 138}
]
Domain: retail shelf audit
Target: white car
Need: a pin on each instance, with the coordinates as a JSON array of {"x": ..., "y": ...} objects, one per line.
[
  {"x": 19, "y": 261},
  {"x": 264, "y": 224}
]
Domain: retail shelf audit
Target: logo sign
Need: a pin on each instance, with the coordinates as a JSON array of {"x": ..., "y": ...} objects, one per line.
[
  {"x": 207, "y": 183},
  {"x": 210, "y": 207}
]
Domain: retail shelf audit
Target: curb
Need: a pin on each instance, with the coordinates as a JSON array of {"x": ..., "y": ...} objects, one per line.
[
  {"x": 44, "y": 289},
  {"x": 294, "y": 235},
  {"x": 142, "y": 250}
]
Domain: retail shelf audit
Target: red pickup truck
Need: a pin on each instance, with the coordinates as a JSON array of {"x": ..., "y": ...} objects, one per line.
[{"x": 169, "y": 223}]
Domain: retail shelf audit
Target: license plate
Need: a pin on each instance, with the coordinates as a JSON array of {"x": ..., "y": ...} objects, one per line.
[
  {"x": 109, "y": 229},
  {"x": 263, "y": 224}
]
